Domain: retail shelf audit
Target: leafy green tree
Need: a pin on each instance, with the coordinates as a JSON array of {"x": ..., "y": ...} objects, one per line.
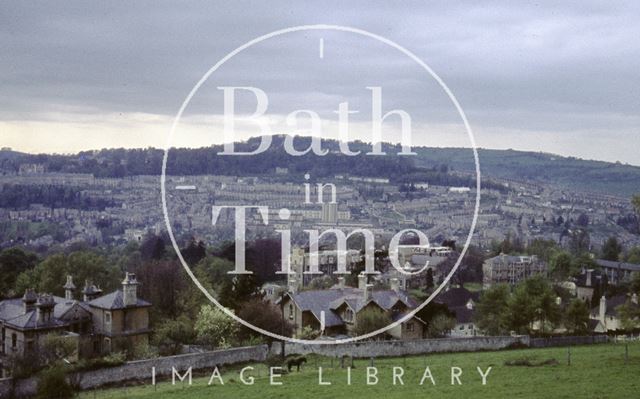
[
  {"x": 492, "y": 310},
  {"x": 576, "y": 318},
  {"x": 308, "y": 334},
  {"x": 429, "y": 279},
  {"x": 214, "y": 328},
  {"x": 50, "y": 274},
  {"x": 52, "y": 384},
  {"x": 234, "y": 291},
  {"x": 579, "y": 241},
  {"x": 171, "y": 334},
  {"x": 611, "y": 249},
  {"x": 521, "y": 311},
  {"x": 440, "y": 326},
  {"x": 263, "y": 315},
  {"x": 370, "y": 320},
  {"x": 629, "y": 313},
  {"x": 561, "y": 265},
  {"x": 634, "y": 255},
  {"x": 543, "y": 249},
  {"x": 14, "y": 261}
]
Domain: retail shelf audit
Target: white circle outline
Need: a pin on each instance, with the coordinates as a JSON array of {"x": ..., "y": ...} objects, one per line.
[{"x": 342, "y": 29}]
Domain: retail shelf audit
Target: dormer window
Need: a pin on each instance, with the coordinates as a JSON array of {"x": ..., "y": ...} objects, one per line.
[{"x": 348, "y": 315}]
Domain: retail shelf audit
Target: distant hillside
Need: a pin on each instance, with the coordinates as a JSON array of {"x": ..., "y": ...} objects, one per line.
[
  {"x": 573, "y": 173},
  {"x": 431, "y": 165}
]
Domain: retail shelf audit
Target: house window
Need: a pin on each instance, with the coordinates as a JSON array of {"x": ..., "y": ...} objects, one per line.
[
  {"x": 107, "y": 317},
  {"x": 410, "y": 327},
  {"x": 14, "y": 341},
  {"x": 290, "y": 311},
  {"x": 348, "y": 315}
]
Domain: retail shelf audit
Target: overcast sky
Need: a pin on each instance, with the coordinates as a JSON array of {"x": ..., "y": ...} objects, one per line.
[{"x": 543, "y": 76}]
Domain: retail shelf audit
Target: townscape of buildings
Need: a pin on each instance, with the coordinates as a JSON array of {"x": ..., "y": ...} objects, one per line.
[{"x": 524, "y": 210}]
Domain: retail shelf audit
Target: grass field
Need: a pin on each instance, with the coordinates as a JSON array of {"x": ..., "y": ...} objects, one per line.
[{"x": 597, "y": 371}]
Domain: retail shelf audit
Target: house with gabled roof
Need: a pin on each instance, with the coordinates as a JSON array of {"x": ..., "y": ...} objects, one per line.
[
  {"x": 94, "y": 322},
  {"x": 337, "y": 308},
  {"x": 461, "y": 303}
]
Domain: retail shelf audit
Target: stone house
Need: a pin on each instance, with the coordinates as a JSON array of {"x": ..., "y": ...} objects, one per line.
[
  {"x": 510, "y": 269},
  {"x": 607, "y": 312},
  {"x": 462, "y": 303},
  {"x": 98, "y": 324},
  {"x": 340, "y": 306}
]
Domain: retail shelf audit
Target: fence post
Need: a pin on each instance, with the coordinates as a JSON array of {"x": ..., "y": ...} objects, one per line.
[{"x": 626, "y": 353}]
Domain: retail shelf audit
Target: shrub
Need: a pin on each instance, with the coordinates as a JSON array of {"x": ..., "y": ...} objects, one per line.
[{"x": 53, "y": 384}]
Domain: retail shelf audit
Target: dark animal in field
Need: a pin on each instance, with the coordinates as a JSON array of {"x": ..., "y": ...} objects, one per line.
[{"x": 296, "y": 362}]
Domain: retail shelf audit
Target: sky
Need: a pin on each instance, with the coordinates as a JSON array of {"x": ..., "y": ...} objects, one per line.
[{"x": 540, "y": 76}]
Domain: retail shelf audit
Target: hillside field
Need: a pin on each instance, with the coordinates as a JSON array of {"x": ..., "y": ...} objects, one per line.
[{"x": 597, "y": 371}]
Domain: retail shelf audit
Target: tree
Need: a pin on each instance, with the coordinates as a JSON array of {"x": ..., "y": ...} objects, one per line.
[
  {"x": 429, "y": 278},
  {"x": 629, "y": 313},
  {"x": 521, "y": 310},
  {"x": 492, "y": 310},
  {"x": 543, "y": 249},
  {"x": 14, "y": 261},
  {"x": 561, "y": 265},
  {"x": 579, "y": 241},
  {"x": 370, "y": 320},
  {"x": 239, "y": 289},
  {"x": 53, "y": 384},
  {"x": 611, "y": 249},
  {"x": 264, "y": 315},
  {"x": 634, "y": 255},
  {"x": 583, "y": 220},
  {"x": 171, "y": 334},
  {"x": 576, "y": 318},
  {"x": 214, "y": 328},
  {"x": 440, "y": 326},
  {"x": 534, "y": 299}
]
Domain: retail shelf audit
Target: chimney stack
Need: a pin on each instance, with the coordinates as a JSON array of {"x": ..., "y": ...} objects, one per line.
[
  {"x": 341, "y": 282},
  {"x": 44, "y": 308},
  {"x": 588, "y": 282},
  {"x": 394, "y": 283},
  {"x": 292, "y": 285},
  {"x": 362, "y": 281},
  {"x": 367, "y": 292},
  {"x": 69, "y": 287},
  {"x": 29, "y": 300},
  {"x": 603, "y": 310},
  {"x": 130, "y": 290}
]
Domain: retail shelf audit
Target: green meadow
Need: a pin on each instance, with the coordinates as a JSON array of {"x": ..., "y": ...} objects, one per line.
[{"x": 598, "y": 371}]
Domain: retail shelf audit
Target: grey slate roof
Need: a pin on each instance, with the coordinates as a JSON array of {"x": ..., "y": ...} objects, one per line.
[
  {"x": 115, "y": 300},
  {"x": 455, "y": 297},
  {"x": 12, "y": 314},
  {"x": 618, "y": 265},
  {"x": 330, "y": 300}
]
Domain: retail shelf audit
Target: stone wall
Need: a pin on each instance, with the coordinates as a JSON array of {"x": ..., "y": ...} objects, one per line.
[
  {"x": 142, "y": 369},
  {"x": 568, "y": 341},
  {"x": 401, "y": 348}
]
